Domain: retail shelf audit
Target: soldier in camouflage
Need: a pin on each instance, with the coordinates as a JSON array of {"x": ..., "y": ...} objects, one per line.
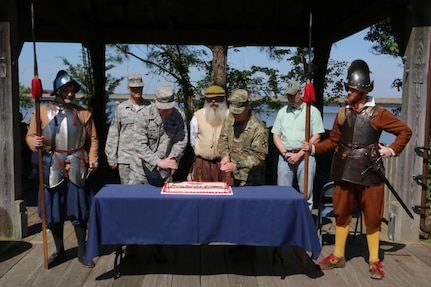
[
  {"x": 160, "y": 140},
  {"x": 243, "y": 142},
  {"x": 120, "y": 146}
]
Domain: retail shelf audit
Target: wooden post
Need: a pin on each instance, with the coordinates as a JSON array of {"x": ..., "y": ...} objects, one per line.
[{"x": 10, "y": 174}]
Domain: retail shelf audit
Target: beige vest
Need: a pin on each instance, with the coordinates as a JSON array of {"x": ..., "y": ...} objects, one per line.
[{"x": 207, "y": 138}]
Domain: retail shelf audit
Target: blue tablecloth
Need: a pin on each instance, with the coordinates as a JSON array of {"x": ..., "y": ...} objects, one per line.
[{"x": 253, "y": 215}]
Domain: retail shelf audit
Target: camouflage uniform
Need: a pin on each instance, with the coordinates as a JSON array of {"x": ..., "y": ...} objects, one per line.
[
  {"x": 120, "y": 147},
  {"x": 248, "y": 149},
  {"x": 155, "y": 139}
]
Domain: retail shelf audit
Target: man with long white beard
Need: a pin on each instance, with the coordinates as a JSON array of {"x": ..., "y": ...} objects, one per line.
[{"x": 205, "y": 128}]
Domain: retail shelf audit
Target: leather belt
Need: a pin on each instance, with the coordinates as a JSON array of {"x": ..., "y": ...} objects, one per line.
[
  {"x": 216, "y": 160},
  {"x": 293, "y": 150},
  {"x": 65, "y": 151},
  {"x": 357, "y": 146}
]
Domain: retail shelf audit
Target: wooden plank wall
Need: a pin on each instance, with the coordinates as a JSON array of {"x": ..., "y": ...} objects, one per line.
[
  {"x": 7, "y": 196},
  {"x": 414, "y": 111},
  {"x": 11, "y": 223}
]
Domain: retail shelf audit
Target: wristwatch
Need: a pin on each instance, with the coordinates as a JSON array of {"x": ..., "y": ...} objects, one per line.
[
  {"x": 238, "y": 166},
  {"x": 284, "y": 153}
]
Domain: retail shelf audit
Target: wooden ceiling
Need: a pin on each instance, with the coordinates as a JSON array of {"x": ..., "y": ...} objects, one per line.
[{"x": 225, "y": 22}]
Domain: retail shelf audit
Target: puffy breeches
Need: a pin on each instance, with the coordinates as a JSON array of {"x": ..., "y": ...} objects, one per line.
[{"x": 348, "y": 196}]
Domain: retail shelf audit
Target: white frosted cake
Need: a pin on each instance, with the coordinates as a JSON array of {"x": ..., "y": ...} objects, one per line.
[{"x": 194, "y": 187}]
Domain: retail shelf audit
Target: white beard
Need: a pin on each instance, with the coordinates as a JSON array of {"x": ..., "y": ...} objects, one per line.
[{"x": 215, "y": 116}]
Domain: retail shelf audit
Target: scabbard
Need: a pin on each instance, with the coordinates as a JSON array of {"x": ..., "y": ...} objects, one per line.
[
  {"x": 375, "y": 166},
  {"x": 391, "y": 188}
]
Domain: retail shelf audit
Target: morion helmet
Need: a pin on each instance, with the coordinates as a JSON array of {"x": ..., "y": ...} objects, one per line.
[
  {"x": 62, "y": 79},
  {"x": 358, "y": 77}
]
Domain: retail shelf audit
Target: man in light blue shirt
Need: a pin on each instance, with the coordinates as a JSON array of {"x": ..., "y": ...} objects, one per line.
[{"x": 288, "y": 134}]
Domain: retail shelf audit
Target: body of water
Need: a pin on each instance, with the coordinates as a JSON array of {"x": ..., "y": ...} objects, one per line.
[{"x": 329, "y": 113}]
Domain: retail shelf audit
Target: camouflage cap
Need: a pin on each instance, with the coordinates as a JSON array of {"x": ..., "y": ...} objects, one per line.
[
  {"x": 135, "y": 81},
  {"x": 165, "y": 99},
  {"x": 214, "y": 91},
  {"x": 292, "y": 88},
  {"x": 238, "y": 101}
]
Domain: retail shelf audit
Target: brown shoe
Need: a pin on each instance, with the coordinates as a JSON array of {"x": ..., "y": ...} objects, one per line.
[
  {"x": 376, "y": 270},
  {"x": 332, "y": 262}
]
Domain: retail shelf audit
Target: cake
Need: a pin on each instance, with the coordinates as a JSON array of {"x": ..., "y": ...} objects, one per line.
[{"x": 194, "y": 187}]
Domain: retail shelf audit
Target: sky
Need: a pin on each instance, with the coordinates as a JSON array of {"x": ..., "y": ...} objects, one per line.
[{"x": 384, "y": 69}]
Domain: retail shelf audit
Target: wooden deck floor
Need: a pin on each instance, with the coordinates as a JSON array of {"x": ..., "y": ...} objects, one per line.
[{"x": 21, "y": 264}]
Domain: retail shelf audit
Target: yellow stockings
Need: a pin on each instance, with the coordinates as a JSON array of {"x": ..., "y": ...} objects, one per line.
[
  {"x": 373, "y": 237},
  {"x": 341, "y": 233}
]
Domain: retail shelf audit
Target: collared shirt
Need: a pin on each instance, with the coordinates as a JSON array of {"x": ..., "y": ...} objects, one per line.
[
  {"x": 290, "y": 125},
  {"x": 369, "y": 102},
  {"x": 120, "y": 146}
]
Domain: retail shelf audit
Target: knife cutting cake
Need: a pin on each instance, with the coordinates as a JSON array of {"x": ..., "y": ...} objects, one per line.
[{"x": 194, "y": 187}]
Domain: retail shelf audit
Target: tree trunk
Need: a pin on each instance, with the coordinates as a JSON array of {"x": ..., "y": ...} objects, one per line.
[{"x": 219, "y": 65}]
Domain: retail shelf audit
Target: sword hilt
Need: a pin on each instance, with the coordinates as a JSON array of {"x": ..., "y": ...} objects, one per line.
[{"x": 374, "y": 164}]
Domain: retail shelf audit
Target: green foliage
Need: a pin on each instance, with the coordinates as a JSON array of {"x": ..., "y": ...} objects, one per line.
[
  {"x": 301, "y": 69},
  {"x": 385, "y": 42},
  {"x": 174, "y": 63},
  {"x": 258, "y": 81},
  {"x": 84, "y": 74},
  {"x": 25, "y": 100}
]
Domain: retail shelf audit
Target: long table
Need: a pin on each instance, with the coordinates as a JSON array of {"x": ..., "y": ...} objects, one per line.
[{"x": 254, "y": 215}]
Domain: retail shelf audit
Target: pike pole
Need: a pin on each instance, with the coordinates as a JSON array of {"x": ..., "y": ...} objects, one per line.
[
  {"x": 309, "y": 97},
  {"x": 36, "y": 93}
]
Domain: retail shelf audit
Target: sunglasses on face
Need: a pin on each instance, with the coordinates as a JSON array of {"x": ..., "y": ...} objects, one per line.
[{"x": 136, "y": 89}]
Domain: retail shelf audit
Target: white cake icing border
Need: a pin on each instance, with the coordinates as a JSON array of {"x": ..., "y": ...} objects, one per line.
[{"x": 213, "y": 188}]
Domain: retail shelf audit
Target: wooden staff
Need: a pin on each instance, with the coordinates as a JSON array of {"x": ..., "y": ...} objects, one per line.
[
  {"x": 309, "y": 97},
  {"x": 307, "y": 134},
  {"x": 36, "y": 93}
]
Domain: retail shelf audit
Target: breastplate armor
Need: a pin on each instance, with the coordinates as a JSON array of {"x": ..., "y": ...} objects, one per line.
[
  {"x": 358, "y": 137},
  {"x": 64, "y": 135}
]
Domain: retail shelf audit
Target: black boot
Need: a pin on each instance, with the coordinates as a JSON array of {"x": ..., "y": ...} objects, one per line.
[
  {"x": 60, "y": 256},
  {"x": 81, "y": 232}
]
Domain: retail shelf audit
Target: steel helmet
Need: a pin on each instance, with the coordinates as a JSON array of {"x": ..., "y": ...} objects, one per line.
[
  {"x": 62, "y": 79},
  {"x": 358, "y": 77}
]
